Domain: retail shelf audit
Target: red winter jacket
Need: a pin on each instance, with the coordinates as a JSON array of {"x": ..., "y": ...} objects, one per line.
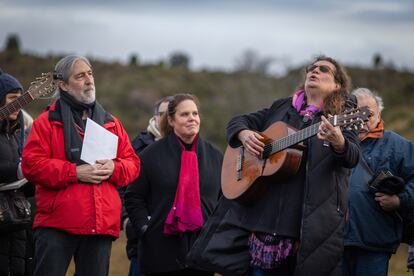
[{"x": 61, "y": 201}]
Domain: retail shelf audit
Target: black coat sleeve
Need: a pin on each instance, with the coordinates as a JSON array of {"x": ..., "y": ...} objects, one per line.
[
  {"x": 252, "y": 121},
  {"x": 255, "y": 121},
  {"x": 135, "y": 200},
  {"x": 350, "y": 156},
  {"x": 8, "y": 172}
]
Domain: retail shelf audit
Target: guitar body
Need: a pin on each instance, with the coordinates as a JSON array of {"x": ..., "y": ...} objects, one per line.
[{"x": 257, "y": 174}]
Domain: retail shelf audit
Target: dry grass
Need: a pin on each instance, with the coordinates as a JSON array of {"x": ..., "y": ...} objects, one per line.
[{"x": 398, "y": 263}]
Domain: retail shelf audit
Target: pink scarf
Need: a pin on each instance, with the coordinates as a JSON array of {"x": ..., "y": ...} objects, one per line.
[
  {"x": 185, "y": 215},
  {"x": 299, "y": 103}
]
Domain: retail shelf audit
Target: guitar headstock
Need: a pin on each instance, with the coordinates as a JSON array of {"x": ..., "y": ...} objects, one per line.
[
  {"x": 352, "y": 119},
  {"x": 43, "y": 85}
]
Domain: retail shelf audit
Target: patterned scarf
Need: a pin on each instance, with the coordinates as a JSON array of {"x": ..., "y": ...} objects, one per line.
[
  {"x": 186, "y": 215},
  {"x": 299, "y": 103},
  {"x": 269, "y": 251}
]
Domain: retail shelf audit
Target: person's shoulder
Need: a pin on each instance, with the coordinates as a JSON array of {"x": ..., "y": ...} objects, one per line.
[
  {"x": 111, "y": 118},
  {"x": 142, "y": 140},
  {"x": 211, "y": 147},
  {"x": 395, "y": 137},
  {"x": 281, "y": 101},
  {"x": 145, "y": 136},
  {"x": 110, "y": 121},
  {"x": 280, "y": 105},
  {"x": 44, "y": 116},
  {"x": 153, "y": 148}
]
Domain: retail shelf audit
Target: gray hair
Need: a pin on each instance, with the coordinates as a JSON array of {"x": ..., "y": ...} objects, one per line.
[
  {"x": 365, "y": 92},
  {"x": 65, "y": 65}
]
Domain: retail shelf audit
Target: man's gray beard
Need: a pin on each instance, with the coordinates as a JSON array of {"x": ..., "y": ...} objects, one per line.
[{"x": 85, "y": 97}]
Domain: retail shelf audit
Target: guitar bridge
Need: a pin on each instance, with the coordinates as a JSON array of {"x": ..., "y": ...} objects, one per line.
[{"x": 239, "y": 164}]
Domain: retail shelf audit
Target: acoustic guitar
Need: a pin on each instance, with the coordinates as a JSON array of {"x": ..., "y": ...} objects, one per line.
[
  {"x": 244, "y": 177},
  {"x": 42, "y": 86}
]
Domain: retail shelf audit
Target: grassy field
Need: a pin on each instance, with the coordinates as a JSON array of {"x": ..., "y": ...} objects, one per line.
[{"x": 120, "y": 263}]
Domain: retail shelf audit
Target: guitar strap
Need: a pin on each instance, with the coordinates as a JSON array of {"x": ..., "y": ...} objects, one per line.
[
  {"x": 22, "y": 134},
  {"x": 365, "y": 165}
]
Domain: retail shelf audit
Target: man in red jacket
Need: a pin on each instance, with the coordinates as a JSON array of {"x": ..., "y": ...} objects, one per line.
[{"x": 78, "y": 206}]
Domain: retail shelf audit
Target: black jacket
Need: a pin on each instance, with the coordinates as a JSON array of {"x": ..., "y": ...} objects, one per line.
[
  {"x": 153, "y": 193},
  {"x": 16, "y": 248},
  {"x": 9, "y": 148},
  {"x": 143, "y": 140},
  {"x": 323, "y": 179}
]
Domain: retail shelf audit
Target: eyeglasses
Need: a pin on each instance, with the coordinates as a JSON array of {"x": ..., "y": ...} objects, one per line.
[{"x": 322, "y": 68}]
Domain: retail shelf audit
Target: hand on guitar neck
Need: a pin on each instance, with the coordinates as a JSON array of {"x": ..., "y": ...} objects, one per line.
[
  {"x": 252, "y": 141},
  {"x": 331, "y": 134}
]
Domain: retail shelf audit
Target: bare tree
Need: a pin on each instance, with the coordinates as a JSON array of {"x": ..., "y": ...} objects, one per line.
[
  {"x": 179, "y": 60},
  {"x": 13, "y": 44},
  {"x": 251, "y": 62}
]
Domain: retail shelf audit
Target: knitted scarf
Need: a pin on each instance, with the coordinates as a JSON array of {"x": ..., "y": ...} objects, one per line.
[{"x": 186, "y": 215}]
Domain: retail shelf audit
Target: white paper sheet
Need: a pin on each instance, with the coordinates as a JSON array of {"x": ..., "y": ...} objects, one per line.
[
  {"x": 14, "y": 185},
  {"x": 98, "y": 143}
]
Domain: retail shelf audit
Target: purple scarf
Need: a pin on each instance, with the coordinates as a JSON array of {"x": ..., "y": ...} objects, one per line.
[
  {"x": 186, "y": 215},
  {"x": 299, "y": 103}
]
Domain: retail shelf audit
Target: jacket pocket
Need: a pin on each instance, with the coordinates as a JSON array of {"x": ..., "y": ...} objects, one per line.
[{"x": 45, "y": 200}]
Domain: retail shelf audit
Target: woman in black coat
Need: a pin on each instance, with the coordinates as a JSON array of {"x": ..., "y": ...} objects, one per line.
[
  {"x": 16, "y": 244},
  {"x": 177, "y": 190},
  {"x": 296, "y": 226},
  {"x": 300, "y": 220}
]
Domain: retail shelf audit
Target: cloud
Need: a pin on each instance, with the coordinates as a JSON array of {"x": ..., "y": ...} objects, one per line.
[{"x": 215, "y": 33}]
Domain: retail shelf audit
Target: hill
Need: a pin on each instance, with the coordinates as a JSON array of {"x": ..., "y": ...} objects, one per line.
[{"x": 129, "y": 91}]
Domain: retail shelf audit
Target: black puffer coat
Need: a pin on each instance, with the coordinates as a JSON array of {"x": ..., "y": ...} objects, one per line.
[
  {"x": 323, "y": 193},
  {"x": 16, "y": 248}
]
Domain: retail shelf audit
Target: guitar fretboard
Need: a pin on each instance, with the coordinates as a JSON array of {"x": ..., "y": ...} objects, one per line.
[
  {"x": 294, "y": 138},
  {"x": 17, "y": 104}
]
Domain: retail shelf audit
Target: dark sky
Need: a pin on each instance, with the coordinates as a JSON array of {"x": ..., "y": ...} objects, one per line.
[{"x": 215, "y": 33}]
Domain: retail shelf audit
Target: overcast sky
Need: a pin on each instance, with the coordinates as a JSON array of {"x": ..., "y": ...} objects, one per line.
[{"x": 215, "y": 33}]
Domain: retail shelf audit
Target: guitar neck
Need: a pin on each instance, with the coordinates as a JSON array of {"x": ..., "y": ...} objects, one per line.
[
  {"x": 15, "y": 105},
  {"x": 293, "y": 139}
]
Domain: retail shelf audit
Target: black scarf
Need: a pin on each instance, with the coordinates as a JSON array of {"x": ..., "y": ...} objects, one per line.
[{"x": 71, "y": 111}]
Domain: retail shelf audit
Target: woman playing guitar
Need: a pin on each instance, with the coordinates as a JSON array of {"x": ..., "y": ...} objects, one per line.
[{"x": 295, "y": 225}]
